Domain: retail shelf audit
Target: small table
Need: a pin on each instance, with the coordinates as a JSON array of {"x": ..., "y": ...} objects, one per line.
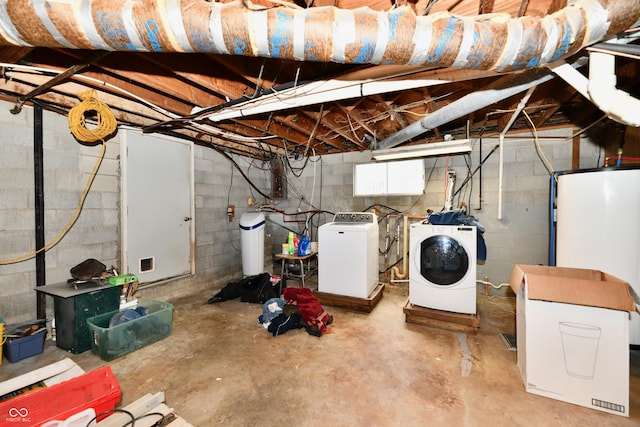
[
  {"x": 73, "y": 305},
  {"x": 295, "y": 259}
]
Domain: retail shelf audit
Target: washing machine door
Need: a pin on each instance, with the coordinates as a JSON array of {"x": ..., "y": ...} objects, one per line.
[{"x": 443, "y": 260}]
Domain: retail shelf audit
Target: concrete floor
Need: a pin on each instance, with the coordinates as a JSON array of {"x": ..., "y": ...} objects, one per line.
[{"x": 221, "y": 367}]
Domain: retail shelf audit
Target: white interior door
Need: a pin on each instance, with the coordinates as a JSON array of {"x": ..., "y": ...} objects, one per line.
[{"x": 157, "y": 206}]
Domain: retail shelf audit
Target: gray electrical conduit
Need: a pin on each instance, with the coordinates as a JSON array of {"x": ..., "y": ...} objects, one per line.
[
  {"x": 325, "y": 34},
  {"x": 502, "y": 88}
]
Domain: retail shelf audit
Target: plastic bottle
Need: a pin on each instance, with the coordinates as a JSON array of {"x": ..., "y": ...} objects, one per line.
[{"x": 291, "y": 248}]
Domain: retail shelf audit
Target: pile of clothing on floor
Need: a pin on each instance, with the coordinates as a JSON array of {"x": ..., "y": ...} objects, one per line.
[
  {"x": 299, "y": 308},
  {"x": 256, "y": 289}
]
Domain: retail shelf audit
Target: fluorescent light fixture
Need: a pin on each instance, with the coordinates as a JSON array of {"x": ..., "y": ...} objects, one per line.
[{"x": 424, "y": 150}]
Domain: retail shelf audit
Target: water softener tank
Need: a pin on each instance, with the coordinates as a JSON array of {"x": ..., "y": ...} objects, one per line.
[{"x": 252, "y": 242}]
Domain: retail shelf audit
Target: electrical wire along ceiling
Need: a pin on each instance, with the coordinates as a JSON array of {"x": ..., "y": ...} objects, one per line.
[{"x": 270, "y": 77}]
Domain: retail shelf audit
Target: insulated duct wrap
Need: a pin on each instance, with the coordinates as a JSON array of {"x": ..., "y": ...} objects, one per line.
[{"x": 324, "y": 34}]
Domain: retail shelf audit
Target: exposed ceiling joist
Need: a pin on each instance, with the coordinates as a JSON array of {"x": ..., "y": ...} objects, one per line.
[{"x": 378, "y": 71}]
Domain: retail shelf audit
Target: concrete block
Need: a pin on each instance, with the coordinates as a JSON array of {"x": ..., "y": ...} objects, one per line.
[
  {"x": 18, "y": 307},
  {"x": 107, "y": 183},
  {"x": 89, "y": 218},
  {"x": 14, "y": 198},
  {"x": 16, "y": 219},
  {"x": 68, "y": 257},
  {"x": 332, "y": 180},
  {"x": 13, "y": 158},
  {"x": 110, "y": 200},
  {"x": 108, "y": 167},
  {"x": 357, "y": 157},
  {"x": 14, "y": 283},
  {"x": 16, "y": 243},
  {"x": 99, "y": 234},
  {"x": 111, "y": 217}
]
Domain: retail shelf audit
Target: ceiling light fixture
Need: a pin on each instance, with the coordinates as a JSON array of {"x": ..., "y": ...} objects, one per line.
[{"x": 460, "y": 146}]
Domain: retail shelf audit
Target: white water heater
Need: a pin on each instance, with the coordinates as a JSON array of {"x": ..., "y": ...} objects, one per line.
[{"x": 598, "y": 225}]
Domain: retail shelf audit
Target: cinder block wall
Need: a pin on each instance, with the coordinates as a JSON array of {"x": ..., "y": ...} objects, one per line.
[
  {"x": 67, "y": 168},
  {"x": 96, "y": 234},
  {"x": 324, "y": 184},
  {"x": 520, "y": 236}
]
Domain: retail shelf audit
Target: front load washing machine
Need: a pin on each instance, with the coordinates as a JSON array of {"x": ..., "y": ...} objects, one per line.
[
  {"x": 442, "y": 267},
  {"x": 348, "y": 255}
]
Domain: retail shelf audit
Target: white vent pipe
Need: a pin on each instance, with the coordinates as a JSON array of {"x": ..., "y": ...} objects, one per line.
[
  {"x": 600, "y": 88},
  {"x": 516, "y": 113},
  {"x": 617, "y": 104}
]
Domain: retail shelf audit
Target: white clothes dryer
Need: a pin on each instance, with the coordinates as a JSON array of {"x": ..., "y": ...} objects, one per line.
[{"x": 442, "y": 267}]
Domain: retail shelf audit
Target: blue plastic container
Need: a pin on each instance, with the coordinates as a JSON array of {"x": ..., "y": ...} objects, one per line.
[{"x": 16, "y": 349}]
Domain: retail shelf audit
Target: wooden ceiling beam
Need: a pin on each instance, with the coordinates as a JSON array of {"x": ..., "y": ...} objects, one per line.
[
  {"x": 274, "y": 128},
  {"x": 306, "y": 121},
  {"x": 62, "y": 98},
  {"x": 339, "y": 129},
  {"x": 221, "y": 84},
  {"x": 14, "y": 54},
  {"x": 130, "y": 85},
  {"x": 152, "y": 81},
  {"x": 485, "y": 7},
  {"x": 348, "y": 112}
]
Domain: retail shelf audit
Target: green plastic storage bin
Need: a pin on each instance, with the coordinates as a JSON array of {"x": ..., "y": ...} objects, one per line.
[{"x": 112, "y": 342}]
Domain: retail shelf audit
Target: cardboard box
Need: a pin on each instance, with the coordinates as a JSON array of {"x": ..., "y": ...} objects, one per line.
[{"x": 572, "y": 329}]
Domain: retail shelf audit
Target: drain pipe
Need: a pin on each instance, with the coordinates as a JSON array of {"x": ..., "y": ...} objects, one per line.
[
  {"x": 515, "y": 114},
  {"x": 395, "y": 272},
  {"x": 572, "y": 76},
  {"x": 600, "y": 87},
  {"x": 617, "y": 104},
  {"x": 38, "y": 178}
]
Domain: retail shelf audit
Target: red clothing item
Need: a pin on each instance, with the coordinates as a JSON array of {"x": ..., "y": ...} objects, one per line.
[{"x": 314, "y": 316}]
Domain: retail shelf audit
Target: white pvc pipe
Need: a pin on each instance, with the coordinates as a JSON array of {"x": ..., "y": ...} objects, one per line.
[
  {"x": 515, "y": 114},
  {"x": 572, "y": 76},
  {"x": 395, "y": 272},
  {"x": 500, "y": 173},
  {"x": 617, "y": 104}
]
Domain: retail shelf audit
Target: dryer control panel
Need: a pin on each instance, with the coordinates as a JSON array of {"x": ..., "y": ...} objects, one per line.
[{"x": 354, "y": 218}]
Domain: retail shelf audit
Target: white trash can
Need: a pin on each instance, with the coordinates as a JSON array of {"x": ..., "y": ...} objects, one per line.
[{"x": 252, "y": 242}]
